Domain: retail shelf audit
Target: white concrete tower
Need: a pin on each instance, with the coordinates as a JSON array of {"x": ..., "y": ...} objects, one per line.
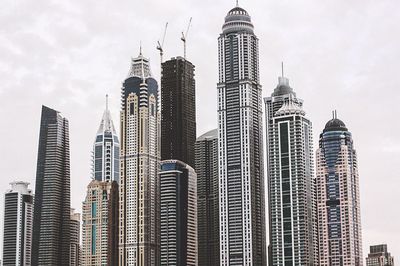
[
  {"x": 241, "y": 177},
  {"x": 140, "y": 155}
]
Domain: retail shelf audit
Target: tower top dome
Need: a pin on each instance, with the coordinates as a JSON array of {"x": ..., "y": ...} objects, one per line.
[
  {"x": 335, "y": 124},
  {"x": 237, "y": 20}
]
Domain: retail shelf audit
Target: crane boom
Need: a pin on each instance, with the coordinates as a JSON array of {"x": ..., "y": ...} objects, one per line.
[
  {"x": 161, "y": 45},
  {"x": 184, "y": 37}
]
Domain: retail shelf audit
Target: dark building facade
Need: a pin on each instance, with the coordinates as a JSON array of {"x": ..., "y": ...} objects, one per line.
[
  {"x": 75, "y": 257},
  {"x": 379, "y": 256},
  {"x": 206, "y": 151},
  {"x": 178, "y": 214},
  {"x": 178, "y": 110},
  {"x": 51, "y": 223},
  {"x": 18, "y": 218}
]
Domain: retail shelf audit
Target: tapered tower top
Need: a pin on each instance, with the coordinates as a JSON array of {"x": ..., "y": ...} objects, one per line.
[
  {"x": 106, "y": 124},
  {"x": 237, "y": 20},
  {"x": 140, "y": 66}
]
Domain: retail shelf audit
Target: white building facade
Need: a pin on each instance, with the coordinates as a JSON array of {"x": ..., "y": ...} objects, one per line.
[{"x": 140, "y": 156}]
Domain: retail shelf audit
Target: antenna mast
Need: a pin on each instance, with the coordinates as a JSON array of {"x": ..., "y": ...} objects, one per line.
[{"x": 184, "y": 37}]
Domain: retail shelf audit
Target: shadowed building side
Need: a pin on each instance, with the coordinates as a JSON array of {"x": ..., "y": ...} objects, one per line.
[{"x": 51, "y": 223}]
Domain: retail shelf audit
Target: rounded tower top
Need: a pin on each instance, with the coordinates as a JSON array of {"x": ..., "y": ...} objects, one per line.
[
  {"x": 335, "y": 124},
  {"x": 237, "y": 20}
]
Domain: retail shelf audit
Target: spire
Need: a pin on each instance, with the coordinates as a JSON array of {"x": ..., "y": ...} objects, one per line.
[
  {"x": 106, "y": 124},
  {"x": 140, "y": 49},
  {"x": 237, "y": 3},
  {"x": 140, "y": 66},
  {"x": 282, "y": 71}
]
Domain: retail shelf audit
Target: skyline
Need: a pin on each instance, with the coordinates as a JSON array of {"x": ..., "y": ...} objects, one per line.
[{"x": 94, "y": 86}]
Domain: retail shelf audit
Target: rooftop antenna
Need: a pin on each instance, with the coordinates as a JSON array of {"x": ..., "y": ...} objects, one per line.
[
  {"x": 184, "y": 37},
  {"x": 282, "y": 71},
  {"x": 237, "y": 3},
  {"x": 161, "y": 45},
  {"x": 106, "y": 102}
]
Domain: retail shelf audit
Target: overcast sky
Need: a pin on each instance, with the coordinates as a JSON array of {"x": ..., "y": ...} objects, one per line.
[{"x": 338, "y": 54}]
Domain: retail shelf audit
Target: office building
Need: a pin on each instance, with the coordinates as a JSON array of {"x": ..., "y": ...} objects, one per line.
[
  {"x": 178, "y": 214},
  {"x": 18, "y": 220},
  {"x": 338, "y": 197},
  {"x": 291, "y": 182},
  {"x": 51, "y": 222},
  {"x": 75, "y": 238},
  {"x": 140, "y": 155},
  {"x": 206, "y": 158},
  {"x": 178, "y": 110},
  {"x": 379, "y": 256},
  {"x": 241, "y": 172}
]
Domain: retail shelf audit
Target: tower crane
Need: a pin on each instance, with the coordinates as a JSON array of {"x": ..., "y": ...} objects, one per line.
[
  {"x": 160, "y": 45},
  {"x": 184, "y": 37}
]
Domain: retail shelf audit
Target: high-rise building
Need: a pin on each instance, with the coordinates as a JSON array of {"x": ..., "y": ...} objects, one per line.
[
  {"x": 140, "y": 155},
  {"x": 100, "y": 224},
  {"x": 178, "y": 214},
  {"x": 75, "y": 238},
  {"x": 178, "y": 110},
  {"x": 100, "y": 208},
  {"x": 379, "y": 256},
  {"x": 51, "y": 222},
  {"x": 338, "y": 197},
  {"x": 18, "y": 220},
  {"x": 241, "y": 177},
  {"x": 106, "y": 150},
  {"x": 206, "y": 157},
  {"x": 291, "y": 182}
]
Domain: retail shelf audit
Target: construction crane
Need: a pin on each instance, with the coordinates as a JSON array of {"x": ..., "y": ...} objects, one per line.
[
  {"x": 160, "y": 45},
  {"x": 184, "y": 37}
]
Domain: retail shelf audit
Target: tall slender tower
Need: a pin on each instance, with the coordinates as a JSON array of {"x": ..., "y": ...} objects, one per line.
[
  {"x": 100, "y": 208},
  {"x": 18, "y": 219},
  {"x": 75, "y": 238},
  {"x": 241, "y": 177},
  {"x": 338, "y": 197},
  {"x": 207, "y": 198},
  {"x": 51, "y": 222},
  {"x": 290, "y": 179},
  {"x": 140, "y": 156},
  {"x": 178, "y": 214},
  {"x": 106, "y": 150},
  {"x": 178, "y": 109}
]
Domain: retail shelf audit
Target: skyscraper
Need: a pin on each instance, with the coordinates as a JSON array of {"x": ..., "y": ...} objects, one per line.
[
  {"x": 18, "y": 220},
  {"x": 51, "y": 222},
  {"x": 178, "y": 110},
  {"x": 100, "y": 224},
  {"x": 379, "y": 256},
  {"x": 100, "y": 208},
  {"x": 106, "y": 150},
  {"x": 241, "y": 177},
  {"x": 338, "y": 197},
  {"x": 140, "y": 155},
  {"x": 75, "y": 238},
  {"x": 206, "y": 157},
  {"x": 178, "y": 214},
  {"x": 291, "y": 182}
]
